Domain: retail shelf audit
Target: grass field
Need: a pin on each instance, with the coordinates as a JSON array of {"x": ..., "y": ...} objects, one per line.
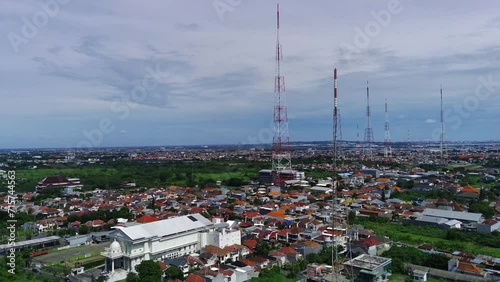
[
  {"x": 73, "y": 254},
  {"x": 415, "y": 235},
  {"x": 219, "y": 176},
  {"x": 471, "y": 167},
  {"x": 27, "y": 179},
  {"x": 110, "y": 175}
]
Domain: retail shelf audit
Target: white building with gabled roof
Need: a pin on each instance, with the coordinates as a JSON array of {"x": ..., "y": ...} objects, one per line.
[{"x": 169, "y": 238}]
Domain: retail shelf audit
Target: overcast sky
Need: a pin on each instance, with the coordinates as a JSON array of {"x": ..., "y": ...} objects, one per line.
[{"x": 126, "y": 73}]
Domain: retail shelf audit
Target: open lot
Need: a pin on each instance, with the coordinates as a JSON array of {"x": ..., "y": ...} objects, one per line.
[
  {"x": 415, "y": 235},
  {"x": 71, "y": 255}
]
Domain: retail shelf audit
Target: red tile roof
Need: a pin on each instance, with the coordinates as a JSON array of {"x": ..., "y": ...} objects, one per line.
[
  {"x": 194, "y": 278},
  {"x": 146, "y": 219}
]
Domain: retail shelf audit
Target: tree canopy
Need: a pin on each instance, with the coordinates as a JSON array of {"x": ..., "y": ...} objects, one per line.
[
  {"x": 149, "y": 270},
  {"x": 173, "y": 272}
]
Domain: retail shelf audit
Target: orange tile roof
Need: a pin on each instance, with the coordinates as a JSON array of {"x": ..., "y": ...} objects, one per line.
[
  {"x": 311, "y": 244},
  {"x": 278, "y": 213},
  {"x": 469, "y": 267},
  {"x": 288, "y": 250},
  {"x": 146, "y": 219},
  {"x": 470, "y": 189},
  {"x": 248, "y": 262},
  {"x": 397, "y": 188}
]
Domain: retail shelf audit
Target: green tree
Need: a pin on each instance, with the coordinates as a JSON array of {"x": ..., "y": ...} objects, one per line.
[
  {"x": 262, "y": 248},
  {"x": 173, "y": 272},
  {"x": 439, "y": 261},
  {"x": 148, "y": 269},
  {"x": 132, "y": 277},
  {"x": 84, "y": 229},
  {"x": 482, "y": 207},
  {"x": 351, "y": 217},
  {"x": 271, "y": 275},
  {"x": 152, "y": 205}
]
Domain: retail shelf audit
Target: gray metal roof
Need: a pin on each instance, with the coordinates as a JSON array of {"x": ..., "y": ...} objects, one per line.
[
  {"x": 467, "y": 216},
  {"x": 164, "y": 228},
  {"x": 431, "y": 219},
  {"x": 32, "y": 242},
  {"x": 453, "y": 222}
]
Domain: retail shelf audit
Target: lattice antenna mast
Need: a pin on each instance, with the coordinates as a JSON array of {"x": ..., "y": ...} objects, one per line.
[
  {"x": 340, "y": 126},
  {"x": 358, "y": 141},
  {"x": 368, "y": 130},
  {"x": 357, "y": 133},
  {"x": 442, "y": 137},
  {"x": 387, "y": 138},
  {"x": 281, "y": 155},
  {"x": 336, "y": 118},
  {"x": 336, "y": 121}
]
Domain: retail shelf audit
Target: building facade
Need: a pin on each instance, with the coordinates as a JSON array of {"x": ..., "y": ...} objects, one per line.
[{"x": 163, "y": 239}]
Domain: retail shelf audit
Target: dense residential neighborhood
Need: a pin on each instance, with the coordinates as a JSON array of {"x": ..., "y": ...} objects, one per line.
[{"x": 220, "y": 232}]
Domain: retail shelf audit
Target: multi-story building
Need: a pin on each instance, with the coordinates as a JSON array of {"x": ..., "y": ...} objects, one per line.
[
  {"x": 368, "y": 268},
  {"x": 169, "y": 238},
  {"x": 268, "y": 176}
]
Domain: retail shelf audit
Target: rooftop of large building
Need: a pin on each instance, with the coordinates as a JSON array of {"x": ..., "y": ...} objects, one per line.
[
  {"x": 368, "y": 262},
  {"x": 163, "y": 228},
  {"x": 465, "y": 216}
]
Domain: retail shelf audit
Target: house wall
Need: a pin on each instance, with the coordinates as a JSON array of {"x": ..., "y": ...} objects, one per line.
[
  {"x": 223, "y": 239},
  {"x": 372, "y": 250},
  {"x": 174, "y": 247},
  {"x": 484, "y": 228},
  {"x": 308, "y": 250}
]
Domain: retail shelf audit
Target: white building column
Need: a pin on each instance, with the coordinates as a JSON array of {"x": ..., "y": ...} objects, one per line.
[
  {"x": 113, "y": 266},
  {"x": 106, "y": 264}
]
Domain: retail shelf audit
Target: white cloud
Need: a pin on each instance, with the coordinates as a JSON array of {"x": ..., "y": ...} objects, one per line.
[{"x": 224, "y": 70}]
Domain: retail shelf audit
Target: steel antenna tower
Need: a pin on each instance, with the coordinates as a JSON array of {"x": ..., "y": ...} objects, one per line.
[
  {"x": 368, "y": 130},
  {"x": 336, "y": 117},
  {"x": 442, "y": 137},
  {"x": 340, "y": 126},
  {"x": 281, "y": 155},
  {"x": 387, "y": 138},
  {"x": 336, "y": 125},
  {"x": 358, "y": 146}
]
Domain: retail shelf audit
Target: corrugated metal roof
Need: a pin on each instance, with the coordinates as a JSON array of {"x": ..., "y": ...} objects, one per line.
[
  {"x": 468, "y": 216},
  {"x": 165, "y": 227},
  {"x": 431, "y": 219},
  {"x": 31, "y": 242}
]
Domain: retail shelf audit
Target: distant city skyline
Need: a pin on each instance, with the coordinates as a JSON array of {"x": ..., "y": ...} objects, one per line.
[{"x": 169, "y": 73}]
